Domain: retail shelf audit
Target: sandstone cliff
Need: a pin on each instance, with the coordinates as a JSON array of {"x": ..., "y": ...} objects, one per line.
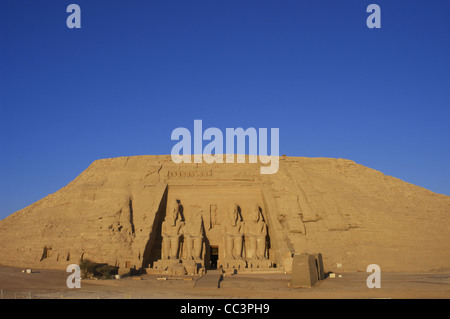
[{"x": 353, "y": 215}]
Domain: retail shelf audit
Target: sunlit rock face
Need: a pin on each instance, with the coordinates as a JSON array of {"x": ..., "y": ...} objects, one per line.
[{"x": 146, "y": 212}]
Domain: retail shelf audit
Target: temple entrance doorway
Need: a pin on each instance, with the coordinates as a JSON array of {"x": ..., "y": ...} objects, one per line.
[{"x": 214, "y": 256}]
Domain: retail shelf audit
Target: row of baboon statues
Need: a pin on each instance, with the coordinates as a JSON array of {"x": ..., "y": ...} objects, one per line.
[{"x": 252, "y": 234}]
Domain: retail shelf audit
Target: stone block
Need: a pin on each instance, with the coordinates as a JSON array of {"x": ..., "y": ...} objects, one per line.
[
  {"x": 177, "y": 270},
  {"x": 304, "y": 271},
  {"x": 191, "y": 267}
]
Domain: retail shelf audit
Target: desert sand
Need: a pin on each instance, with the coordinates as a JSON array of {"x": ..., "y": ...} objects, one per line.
[{"x": 51, "y": 284}]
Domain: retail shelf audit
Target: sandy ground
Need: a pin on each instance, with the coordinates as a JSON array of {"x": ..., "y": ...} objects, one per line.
[{"x": 51, "y": 284}]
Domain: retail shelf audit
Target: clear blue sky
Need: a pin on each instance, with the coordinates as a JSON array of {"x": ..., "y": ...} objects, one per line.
[{"x": 136, "y": 70}]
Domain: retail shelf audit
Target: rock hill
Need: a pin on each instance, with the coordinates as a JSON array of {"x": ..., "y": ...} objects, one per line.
[{"x": 353, "y": 215}]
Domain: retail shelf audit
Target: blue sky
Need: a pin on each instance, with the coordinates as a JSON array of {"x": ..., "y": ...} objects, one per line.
[{"x": 136, "y": 70}]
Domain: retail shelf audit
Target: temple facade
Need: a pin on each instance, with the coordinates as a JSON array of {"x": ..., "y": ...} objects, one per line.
[{"x": 206, "y": 227}]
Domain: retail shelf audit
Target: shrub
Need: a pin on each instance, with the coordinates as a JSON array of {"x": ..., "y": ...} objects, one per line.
[
  {"x": 87, "y": 267},
  {"x": 106, "y": 271}
]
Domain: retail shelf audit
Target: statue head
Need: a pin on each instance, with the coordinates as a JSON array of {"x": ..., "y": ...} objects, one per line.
[
  {"x": 256, "y": 214},
  {"x": 172, "y": 213}
]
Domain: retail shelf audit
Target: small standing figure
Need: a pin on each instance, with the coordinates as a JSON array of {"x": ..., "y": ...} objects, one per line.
[{"x": 213, "y": 216}]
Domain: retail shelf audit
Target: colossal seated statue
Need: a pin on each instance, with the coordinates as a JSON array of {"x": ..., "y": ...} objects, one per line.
[
  {"x": 193, "y": 235},
  {"x": 171, "y": 232},
  {"x": 234, "y": 229},
  {"x": 256, "y": 235}
]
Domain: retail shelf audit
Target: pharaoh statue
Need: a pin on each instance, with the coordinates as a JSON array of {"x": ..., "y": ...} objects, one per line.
[
  {"x": 234, "y": 229},
  {"x": 171, "y": 232},
  {"x": 255, "y": 235},
  {"x": 193, "y": 235}
]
